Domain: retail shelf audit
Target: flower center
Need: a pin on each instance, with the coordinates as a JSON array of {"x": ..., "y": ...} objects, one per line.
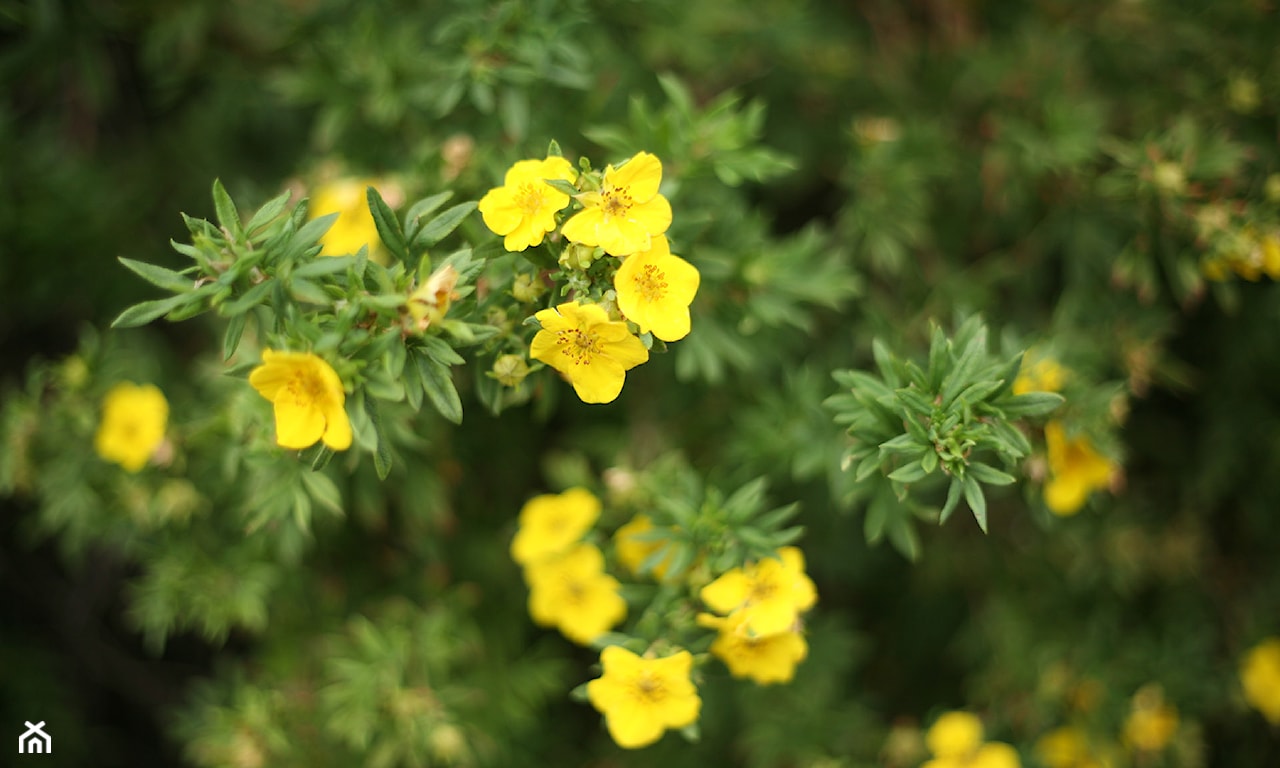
[
  {"x": 616, "y": 202},
  {"x": 651, "y": 283},
  {"x": 305, "y": 390},
  {"x": 579, "y": 345},
  {"x": 529, "y": 198},
  {"x": 762, "y": 590},
  {"x": 648, "y": 688}
]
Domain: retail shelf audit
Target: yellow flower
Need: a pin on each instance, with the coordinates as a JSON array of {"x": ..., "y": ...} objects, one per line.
[
  {"x": 1041, "y": 374},
  {"x": 765, "y": 660},
  {"x": 308, "y": 397},
  {"x": 572, "y": 592},
  {"x": 633, "y": 549},
  {"x": 641, "y": 698},
  {"x": 1064, "y": 747},
  {"x": 1260, "y": 678},
  {"x": 626, "y": 212},
  {"x": 1152, "y": 722},
  {"x": 770, "y": 594},
  {"x": 655, "y": 289},
  {"x": 551, "y": 523},
  {"x": 133, "y": 424},
  {"x": 591, "y": 351},
  {"x": 955, "y": 739},
  {"x": 354, "y": 226},
  {"x": 524, "y": 208},
  {"x": 954, "y": 735},
  {"x": 1076, "y": 469}
]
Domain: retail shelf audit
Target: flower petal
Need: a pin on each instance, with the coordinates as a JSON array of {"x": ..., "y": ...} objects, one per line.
[
  {"x": 297, "y": 426},
  {"x": 641, "y": 176}
]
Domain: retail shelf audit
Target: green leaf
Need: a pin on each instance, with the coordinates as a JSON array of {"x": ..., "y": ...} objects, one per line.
[
  {"x": 160, "y": 277},
  {"x": 561, "y": 185},
  {"x": 903, "y": 537},
  {"x": 885, "y": 362},
  {"x": 226, "y": 209},
  {"x": 323, "y": 490},
  {"x": 437, "y": 382},
  {"x": 987, "y": 474},
  {"x": 250, "y": 299},
  {"x": 425, "y": 207},
  {"x": 439, "y": 228},
  {"x": 308, "y": 235},
  {"x": 976, "y": 501},
  {"x": 268, "y": 212},
  {"x": 325, "y": 265},
  {"x": 909, "y": 473},
  {"x": 953, "y": 499},
  {"x": 913, "y": 399},
  {"x": 231, "y": 339},
  {"x": 382, "y": 454},
  {"x": 440, "y": 351},
  {"x": 141, "y": 314},
  {"x": 388, "y": 225},
  {"x": 1030, "y": 404}
]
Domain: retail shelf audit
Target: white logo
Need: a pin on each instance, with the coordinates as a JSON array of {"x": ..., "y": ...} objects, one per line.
[{"x": 35, "y": 741}]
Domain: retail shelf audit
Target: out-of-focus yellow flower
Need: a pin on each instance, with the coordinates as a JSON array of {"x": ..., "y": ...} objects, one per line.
[
  {"x": 1151, "y": 722},
  {"x": 770, "y": 594},
  {"x": 1250, "y": 254},
  {"x": 627, "y": 211},
  {"x": 1067, "y": 747},
  {"x": 765, "y": 660},
  {"x": 1076, "y": 469},
  {"x": 1039, "y": 374},
  {"x": 572, "y": 592},
  {"x": 633, "y": 550},
  {"x": 308, "y": 397},
  {"x": 1260, "y": 678},
  {"x": 552, "y": 523},
  {"x": 133, "y": 424},
  {"x": 641, "y": 698},
  {"x": 593, "y": 352},
  {"x": 955, "y": 739},
  {"x": 523, "y": 210},
  {"x": 655, "y": 289},
  {"x": 354, "y": 227}
]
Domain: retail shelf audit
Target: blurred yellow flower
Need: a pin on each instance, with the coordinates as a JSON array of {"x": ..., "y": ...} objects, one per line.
[
  {"x": 593, "y": 352},
  {"x": 770, "y": 593},
  {"x": 552, "y": 523},
  {"x": 1039, "y": 374},
  {"x": 572, "y": 592},
  {"x": 1260, "y": 678},
  {"x": 523, "y": 210},
  {"x": 633, "y": 550},
  {"x": 655, "y": 289},
  {"x": 133, "y": 424},
  {"x": 765, "y": 660},
  {"x": 955, "y": 739},
  {"x": 354, "y": 227},
  {"x": 641, "y": 698},
  {"x": 1076, "y": 469},
  {"x": 1066, "y": 747},
  {"x": 308, "y": 397},
  {"x": 1151, "y": 722},
  {"x": 627, "y": 211}
]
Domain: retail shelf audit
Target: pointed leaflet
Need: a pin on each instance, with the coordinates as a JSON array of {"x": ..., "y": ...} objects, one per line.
[{"x": 388, "y": 225}]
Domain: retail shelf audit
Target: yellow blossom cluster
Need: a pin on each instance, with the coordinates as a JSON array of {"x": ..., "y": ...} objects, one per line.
[
  {"x": 589, "y": 340},
  {"x": 757, "y": 617},
  {"x": 1152, "y": 721},
  {"x": 568, "y": 586},
  {"x": 1254, "y": 254},
  {"x": 1260, "y": 678},
  {"x": 1076, "y": 467},
  {"x": 1069, "y": 747},
  {"x": 956, "y": 741}
]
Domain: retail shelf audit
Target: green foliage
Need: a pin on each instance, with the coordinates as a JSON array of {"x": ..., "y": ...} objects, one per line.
[
  {"x": 857, "y": 185},
  {"x": 951, "y": 419}
]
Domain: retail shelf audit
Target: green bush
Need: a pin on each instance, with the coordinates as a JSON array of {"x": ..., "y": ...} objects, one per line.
[{"x": 826, "y": 384}]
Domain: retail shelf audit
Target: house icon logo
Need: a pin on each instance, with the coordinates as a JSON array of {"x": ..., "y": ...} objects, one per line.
[{"x": 35, "y": 741}]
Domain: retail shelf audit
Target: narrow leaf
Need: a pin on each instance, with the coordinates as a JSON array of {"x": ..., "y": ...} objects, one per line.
[
  {"x": 268, "y": 212},
  {"x": 976, "y": 501},
  {"x": 226, "y": 209},
  {"x": 141, "y": 314},
  {"x": 159, "y": 276},
  {"x": 437, "y": 383},
  {"x": 388, "y": 225},
  {"x": 439, "y": 228}
]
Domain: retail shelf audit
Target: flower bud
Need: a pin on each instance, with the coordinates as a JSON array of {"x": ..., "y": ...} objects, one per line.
[{"x": 510, "y": 370}]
